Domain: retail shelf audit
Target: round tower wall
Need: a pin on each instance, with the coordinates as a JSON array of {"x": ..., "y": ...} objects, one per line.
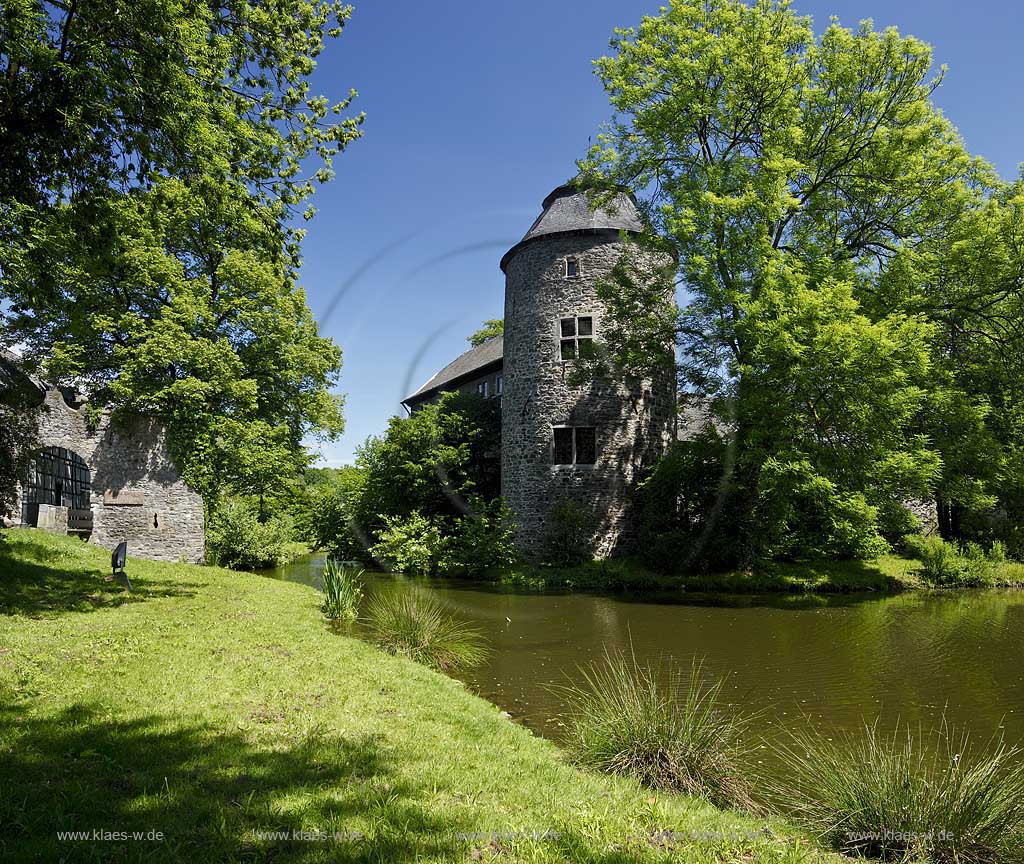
[{"x": 633, "y": 424}]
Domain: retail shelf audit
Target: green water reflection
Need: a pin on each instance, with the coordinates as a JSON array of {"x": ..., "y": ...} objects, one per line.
[{"x": 834, "y": 660}]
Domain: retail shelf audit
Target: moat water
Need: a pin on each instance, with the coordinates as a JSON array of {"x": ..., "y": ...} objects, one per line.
[{"x": 833, "y": 662}]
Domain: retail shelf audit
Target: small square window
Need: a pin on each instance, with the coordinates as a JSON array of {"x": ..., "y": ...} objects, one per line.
[
  {"x": 568, "y": 349},
  {"x": 585, "y": 326},
  {"x": 585, "y": 347},
  {"x": 572, "y": 268},
  {"x": 574, "y": 445},
  {"x": 563, "y": 446},
  {"x": 568, "y": 327}
]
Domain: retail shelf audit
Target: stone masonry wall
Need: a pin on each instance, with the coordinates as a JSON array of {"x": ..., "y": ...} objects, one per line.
[
  {"x": 158, "y": 515},
  {"x": 633, "y": 424}
]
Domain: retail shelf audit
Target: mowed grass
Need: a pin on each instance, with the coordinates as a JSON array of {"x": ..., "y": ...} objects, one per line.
[{"x": 214, "y": 706}]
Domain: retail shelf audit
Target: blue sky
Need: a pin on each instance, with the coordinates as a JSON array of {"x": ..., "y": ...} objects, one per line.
[{"x": 476, "y": 110}]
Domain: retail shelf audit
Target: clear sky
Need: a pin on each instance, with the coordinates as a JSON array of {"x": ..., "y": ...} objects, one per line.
[{"x": 476, "y": 109}]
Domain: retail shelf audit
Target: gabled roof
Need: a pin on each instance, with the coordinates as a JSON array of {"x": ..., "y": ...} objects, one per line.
[
  {"x": 568, "y": 210},
  {"x": 475, "y": 360}
]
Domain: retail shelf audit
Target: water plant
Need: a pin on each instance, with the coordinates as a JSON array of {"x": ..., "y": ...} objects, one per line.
[
  {"x": 906, "y": 795},
  {"x": 670, "y": 733},
  {"x": 342, "y": 591},
  {"x": 415, "y": 625}
]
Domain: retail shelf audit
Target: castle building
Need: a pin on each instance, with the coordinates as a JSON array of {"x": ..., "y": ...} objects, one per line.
[
  {"x": 586, "y": 443},
  {"x": 103, "y": 479}
]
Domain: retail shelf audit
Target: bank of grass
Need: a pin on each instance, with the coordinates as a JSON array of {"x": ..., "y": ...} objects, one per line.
[
  {"x": 888, "y": 574},
  {"x": 214, "y": 706},
  {"x": 953, "y": 802}
]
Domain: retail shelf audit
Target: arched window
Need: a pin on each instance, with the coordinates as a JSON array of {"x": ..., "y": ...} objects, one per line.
[{"x": 57, "y": 476}]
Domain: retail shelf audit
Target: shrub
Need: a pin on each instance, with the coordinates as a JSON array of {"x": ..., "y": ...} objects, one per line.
[
  {"x": 237, "y": 539},
  {"x": 570, "y": 536},
  {"x": 413, "y": 624},
  {"x": 410, "y": 544},
  {"x": 803, "y": 514},
  {"x": 686, "y": 520},
  {"x": 641, "y": 720},
  {"x": 483, "y": 540},
  {"x": 905, "y": 797},
  {"x": 942, "y": 564},
  {"x": 328, "y": 515},
  {"x": 342, "y": 591}
]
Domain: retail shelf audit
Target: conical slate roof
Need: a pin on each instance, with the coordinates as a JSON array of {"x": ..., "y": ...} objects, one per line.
[{"x": 568, "y": 210}]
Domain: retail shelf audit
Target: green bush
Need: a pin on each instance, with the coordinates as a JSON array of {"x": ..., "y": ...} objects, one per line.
[
  {"x": 644, "y": 721},
  {"x": 411, "y": 544},
  {"x": 686, "y": 518},
  {"x": 342, "y": 591},
  {"x": 484, "y": 539},
  {"x": 906, "y": 797},
  {"x": 413, "y": 624},
  {"x": 237, "y": 539},
  {"x": 947, "y": 565},
  {"x": 569, "y": 540},
  {"x": 329, "y": 513},
  {"x": 803, "y": 514},
  {"x": 942, "y": 564}
]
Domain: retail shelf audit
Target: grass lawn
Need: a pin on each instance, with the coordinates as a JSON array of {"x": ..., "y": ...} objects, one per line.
[
  {"x": 214, "y": 706},
  {"x": 889, "y": 573}
]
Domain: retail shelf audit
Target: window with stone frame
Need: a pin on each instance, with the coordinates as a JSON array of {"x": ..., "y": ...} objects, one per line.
[
  {"x": 572, "y": 267},
  {"x": 574, "y": 445},
  {"x": 576, "y": 337}
]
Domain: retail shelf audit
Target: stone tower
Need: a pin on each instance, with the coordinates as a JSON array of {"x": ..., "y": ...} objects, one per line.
[{"x": 586, "y": 443}]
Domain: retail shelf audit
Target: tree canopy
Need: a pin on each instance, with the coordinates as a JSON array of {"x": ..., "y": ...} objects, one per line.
[
  {"x": 491, "y": 327},
  {"x": 812, "y": 191},
  {"x": 153, "y": 159}
]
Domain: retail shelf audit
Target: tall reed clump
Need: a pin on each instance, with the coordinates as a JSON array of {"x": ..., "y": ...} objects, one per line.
[
  {"x": 413, "y": 624},
  {"x": 670, "y": 733},
  {"x": 907, "y": 796},
  {"x": 343, "y": 592}
]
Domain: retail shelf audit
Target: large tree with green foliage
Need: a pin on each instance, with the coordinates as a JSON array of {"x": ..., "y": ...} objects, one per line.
[
  {"x": 153, "y": 157},
  {"x": 800, "y": 180}
]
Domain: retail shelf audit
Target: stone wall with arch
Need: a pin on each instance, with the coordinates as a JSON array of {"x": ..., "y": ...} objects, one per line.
[{"x": 136, "y": 494}]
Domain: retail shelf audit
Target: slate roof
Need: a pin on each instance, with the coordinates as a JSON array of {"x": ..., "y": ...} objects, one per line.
[
  {"x": 568, "y": 210},
  {"x": 464, "y": 366}
]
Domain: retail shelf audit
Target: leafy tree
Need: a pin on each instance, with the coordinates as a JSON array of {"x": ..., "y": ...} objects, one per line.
[
  {"x": 432, "y": 461},
  {"x": 492, "y": 327},
  {"x": 789, "y": 173},
  {"x": 152, "y": 158},
  {"x": 19, "y": 426},
  {"x": 330, "y": 511}
]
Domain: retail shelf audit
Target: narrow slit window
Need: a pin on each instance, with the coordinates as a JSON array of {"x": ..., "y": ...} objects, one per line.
[
  {"x": 483, "y": 388},
  {"x": 499, "y": 385},
  {"x": 586, "y": 445},
  {"x": 563, "y": 446}
]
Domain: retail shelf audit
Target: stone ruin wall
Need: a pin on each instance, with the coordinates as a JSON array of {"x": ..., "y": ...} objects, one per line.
[{"x": 137, "y": 494}]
